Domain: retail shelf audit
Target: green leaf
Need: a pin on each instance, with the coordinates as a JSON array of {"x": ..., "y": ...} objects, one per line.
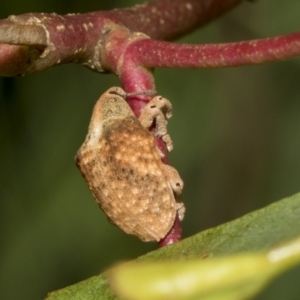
[
  {"x": 242, "y": 248},
  {"x": 233, "y": 277}
]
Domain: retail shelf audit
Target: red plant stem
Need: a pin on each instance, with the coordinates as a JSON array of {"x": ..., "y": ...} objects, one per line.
[
  {"x": 76, "y": 38},
  {"x": 169, "y": 19},
  {"x": 173, "y": 236},
  {"x": 135, "y": 79},
  {"x": 70, "y": 38},
  {"x": 153, "y": 53},
  {"x": 13, "y": 59}
]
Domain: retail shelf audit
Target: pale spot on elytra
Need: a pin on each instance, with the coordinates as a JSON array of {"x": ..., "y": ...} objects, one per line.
[
  {"x": 60, "y": 27},
  {"x": 189, "y": 6}
]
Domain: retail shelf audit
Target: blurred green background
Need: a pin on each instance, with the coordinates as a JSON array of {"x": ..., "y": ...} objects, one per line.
[{"x": 236, "y": 137}]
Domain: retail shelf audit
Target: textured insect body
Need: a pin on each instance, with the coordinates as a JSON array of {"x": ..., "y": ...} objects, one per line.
[{"x": 122, "y": 167}]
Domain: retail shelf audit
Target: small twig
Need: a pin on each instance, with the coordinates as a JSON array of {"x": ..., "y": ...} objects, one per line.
[
  {"x": 169, "y": 19},
  {"x": 77, "y": 38},
  {"x": 152, "y": 53},
  {"x": 173, "y": 236},
  {"x": 29, "y": 35}
]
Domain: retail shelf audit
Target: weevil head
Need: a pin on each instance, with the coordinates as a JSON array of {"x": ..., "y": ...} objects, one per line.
[{"x": 112, "y": 105}]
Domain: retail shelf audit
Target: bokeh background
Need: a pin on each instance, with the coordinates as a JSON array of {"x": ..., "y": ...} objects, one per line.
[{"x": 236, "y": 137}]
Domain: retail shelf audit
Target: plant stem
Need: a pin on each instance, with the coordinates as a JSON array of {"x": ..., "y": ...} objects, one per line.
[
  {"x": 173, "y": 236},
  {"x": 170, "y": 19},
  {"x": 153, "y": 53},
  {"x": 77, "y": 38}
]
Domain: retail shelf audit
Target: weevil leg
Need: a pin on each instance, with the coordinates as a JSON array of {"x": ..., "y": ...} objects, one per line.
[{"x": 159, "y": 109}]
